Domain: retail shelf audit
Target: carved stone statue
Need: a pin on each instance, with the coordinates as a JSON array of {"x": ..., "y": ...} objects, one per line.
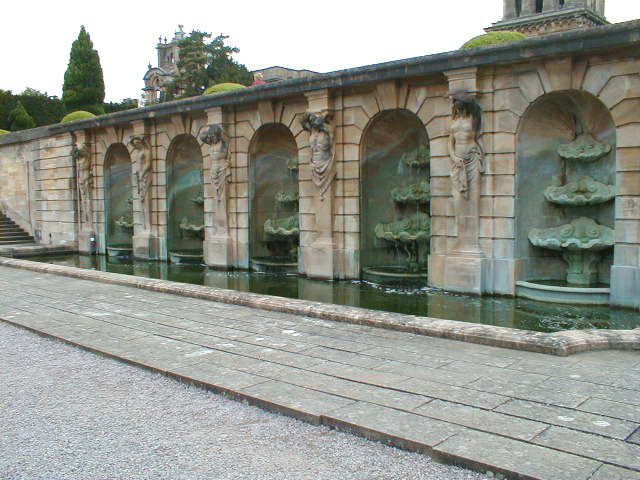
[
  {"x": 465, "y": 150},
  {"x": 321, "y": 141},
  {"x": 466, "y": 157},
  {"x": 220, "y": 174},
  {"x": 143, "y": 173},
  {"x": 82, "y": 156}
]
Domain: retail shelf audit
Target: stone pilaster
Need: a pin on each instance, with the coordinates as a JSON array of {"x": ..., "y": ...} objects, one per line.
[
  {"x": 319, "y": 256},
  {"x": 218, "y": 243},
  {"x": 466, "y": 268},
  {"x": 147, "y": 244},
  {"x": 85, "y": 160}
]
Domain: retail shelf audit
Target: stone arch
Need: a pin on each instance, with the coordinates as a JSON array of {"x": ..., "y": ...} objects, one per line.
[
  {"x": 185, "y": 199},
  {"x": 118, "y": 200},
  {"x": 394, "y": 191},
  {"x": 555, "y": 119},
  {"x": 273, "y": 198}
]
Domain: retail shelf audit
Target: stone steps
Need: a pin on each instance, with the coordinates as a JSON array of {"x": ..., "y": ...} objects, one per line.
[{"x": 12, "y": 234}]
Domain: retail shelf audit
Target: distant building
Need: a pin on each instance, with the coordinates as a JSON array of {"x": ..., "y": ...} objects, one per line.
[
  {"x": 539, "y": 17},
  {"x": 157, "y": 79}
]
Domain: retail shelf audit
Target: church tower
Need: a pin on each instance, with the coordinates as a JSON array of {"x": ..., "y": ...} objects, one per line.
[{"x": 539, "y": 17}]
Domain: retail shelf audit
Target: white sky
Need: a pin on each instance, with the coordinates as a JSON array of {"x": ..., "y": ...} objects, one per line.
[{"x": 323, "y": 35}]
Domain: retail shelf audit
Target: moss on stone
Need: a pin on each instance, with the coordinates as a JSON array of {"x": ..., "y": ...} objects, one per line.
[
  {"x": 2, "y": 132},
  {"x": 222, "y": 87},
  {"x": 492, "y": 38},
  {"x": 77, "y": 115}
]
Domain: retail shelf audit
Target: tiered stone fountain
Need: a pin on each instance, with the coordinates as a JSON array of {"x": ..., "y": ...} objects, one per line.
[
  {"x": 281, "y": 233},
  {"x": 409, "y": 235},
  {"x": 582, "y": 240}
]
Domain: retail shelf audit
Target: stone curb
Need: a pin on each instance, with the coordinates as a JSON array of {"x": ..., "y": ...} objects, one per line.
[
  {"x": 302, "y": 415},
  {"x": 559, "y": 343}
]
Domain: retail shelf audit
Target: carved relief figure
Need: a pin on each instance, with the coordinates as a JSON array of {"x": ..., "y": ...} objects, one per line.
[
  {"x": 142, "y": 165},
  {"x": 465, "y": 149},
  {"x": 321, "y": 141},
  {"x": 220, "y": 174},
  {"x": 82, "y": 156},
  {"x": 466, "y": 157}
]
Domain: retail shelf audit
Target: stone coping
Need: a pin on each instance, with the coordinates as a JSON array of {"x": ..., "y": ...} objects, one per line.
[
  {"x": 562, "y": 43},
  {"x": 559, "y": 343}
]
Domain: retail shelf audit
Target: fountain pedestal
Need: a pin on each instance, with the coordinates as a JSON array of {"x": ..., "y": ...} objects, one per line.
[{"x": 580, "y": 242}]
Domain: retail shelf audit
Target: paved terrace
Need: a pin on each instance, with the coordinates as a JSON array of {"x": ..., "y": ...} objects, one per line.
[{"x": 522, "y": 414}]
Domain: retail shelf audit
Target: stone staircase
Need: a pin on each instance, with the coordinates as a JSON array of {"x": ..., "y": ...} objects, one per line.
[{"x": 12, "y": 234}]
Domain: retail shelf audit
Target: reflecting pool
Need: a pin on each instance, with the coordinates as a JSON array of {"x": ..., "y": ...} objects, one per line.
[{"x": 429, "y": 302}]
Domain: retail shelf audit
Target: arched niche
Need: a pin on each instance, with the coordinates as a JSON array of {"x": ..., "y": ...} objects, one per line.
[
  {"x": 555, "y": 120},
  {"x": 274, "y": 229},
  {"x": 118, "y": 200},
  {"x": 395, "y": 226},
  {"x": 185, "y": 200}
]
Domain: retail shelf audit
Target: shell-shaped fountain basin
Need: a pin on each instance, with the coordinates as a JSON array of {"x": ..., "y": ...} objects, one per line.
[
  {"x": 582, "y": 191},
  {"x": 584, "y": 148},
  {"x": 283, "y": 227},
  {"x": 581, "y": 234},
  {"x": 411, "y": 229},
  {"x": 414, "y": 193}
]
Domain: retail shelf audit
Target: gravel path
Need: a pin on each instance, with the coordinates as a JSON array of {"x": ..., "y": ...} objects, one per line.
[{"x": 69, "y": 414}]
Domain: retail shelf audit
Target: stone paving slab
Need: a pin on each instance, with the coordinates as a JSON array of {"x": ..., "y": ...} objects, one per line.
[
  {"x": 566, "y": 417},
  {"x": 529, "y": 392},
  {"x": 483, "y": 420},
  {"x": 616, "y": 452},
  {"x": 559, "y": 343},
  {"x": 506, "y": 455},
  {"x": 607, "y": 472},
  {"x": 411, "y": 431},
  {"x": 479, "y": 406}
]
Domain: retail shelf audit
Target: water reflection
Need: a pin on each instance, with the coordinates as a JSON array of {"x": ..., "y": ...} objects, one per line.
[{"x": 516, "y": 313}]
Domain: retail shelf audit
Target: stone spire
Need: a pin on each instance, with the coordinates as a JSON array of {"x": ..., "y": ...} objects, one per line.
[{"x": 539, "y": 17}]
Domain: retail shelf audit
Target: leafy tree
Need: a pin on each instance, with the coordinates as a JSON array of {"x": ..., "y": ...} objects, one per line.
[
  {"x": 7, "y": 104},
  {"x": 202, "y": 64},
  {"x": 44, "y": 109},
  {"x": 19, "y": 119},
  {"x": 83, "y": 87},
  {"x": 126, "y": 104}
]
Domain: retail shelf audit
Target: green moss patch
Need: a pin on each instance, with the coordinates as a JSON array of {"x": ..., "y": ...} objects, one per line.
[
  {"x": 492, "y": 38},
  {"x": 222, "y": 87},
  {"x": 2, "y": 132},
  {"x": 77, "y": 115}
]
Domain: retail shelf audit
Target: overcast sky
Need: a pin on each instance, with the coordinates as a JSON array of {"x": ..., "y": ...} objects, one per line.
[{"x": 322, "y": 35}]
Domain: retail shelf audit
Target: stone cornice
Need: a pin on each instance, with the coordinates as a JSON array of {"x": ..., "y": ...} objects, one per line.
[{"x": 564, "y": 43}]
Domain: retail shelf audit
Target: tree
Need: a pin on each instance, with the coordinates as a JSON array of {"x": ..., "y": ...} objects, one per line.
[
  {"x": 7, "y": 104},
  {"x": 126, "y": 104},
  {"x": 202, "y": 64},
  {"x": 83, "y": 87},
  {"x": 44, "y": 109},
  {"x": 19, "y": 119}
]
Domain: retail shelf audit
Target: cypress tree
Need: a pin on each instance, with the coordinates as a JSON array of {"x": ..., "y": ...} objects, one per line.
[
  {"x": 19, "y": 119},
  {"x": 83, "y": 87}
]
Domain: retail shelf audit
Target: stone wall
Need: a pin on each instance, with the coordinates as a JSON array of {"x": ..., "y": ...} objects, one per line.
[
  {"x": 505, "y": 81},
  {"x": 16, "y": 182}
]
